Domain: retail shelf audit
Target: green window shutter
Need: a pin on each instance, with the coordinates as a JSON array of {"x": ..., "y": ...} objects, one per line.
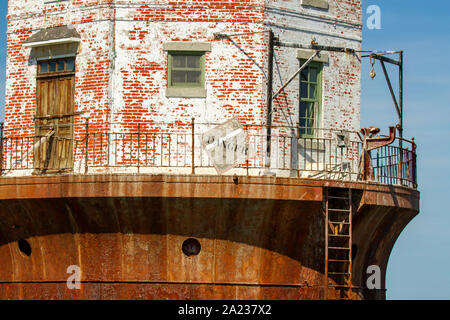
[
  {"x": 310, "y": 98},
  {"x": 186, "y": 69}
]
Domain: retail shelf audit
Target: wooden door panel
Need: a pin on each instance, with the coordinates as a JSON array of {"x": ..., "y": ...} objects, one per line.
[{"x": 54, "y": 125}]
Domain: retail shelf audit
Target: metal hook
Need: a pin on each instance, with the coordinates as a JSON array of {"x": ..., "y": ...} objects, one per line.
[{"x": 372, "y": 73}]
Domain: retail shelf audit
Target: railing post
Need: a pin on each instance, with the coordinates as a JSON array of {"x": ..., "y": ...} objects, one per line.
[
  {"x": 139, "y": 148},
  {"x": 246, "y": 129},
  {"x": 414, "y": 164},
  {"x": 86, "y": 147},
  {"x": 1, "y": 148},
  {"x": 193, "y": 145}
]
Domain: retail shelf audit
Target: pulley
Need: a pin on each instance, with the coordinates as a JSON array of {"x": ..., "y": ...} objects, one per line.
[{"x": 372, "y": 73}]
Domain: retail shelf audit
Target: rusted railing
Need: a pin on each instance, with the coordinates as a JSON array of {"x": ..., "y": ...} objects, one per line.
[{"x": 177, "y": 148}]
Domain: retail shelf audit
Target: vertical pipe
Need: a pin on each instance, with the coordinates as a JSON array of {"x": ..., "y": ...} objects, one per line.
[
  {"x": 246, "y": 129},
  {"x": 414, "y": 164},
  {"x": 1, "y": 147},
  {"x": 269, "y": 96},
  {"x": 138, "y": 147},
  {"x": 400, "y": 86},
  {"x": 86, "y": 147},
  {"x": 193, "y": 145},
  {"x": 401, "y": 96}
]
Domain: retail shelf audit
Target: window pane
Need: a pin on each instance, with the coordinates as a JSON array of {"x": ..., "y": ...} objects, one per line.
[
  {"x": 60, "y": 65},
  {"x": 310, "y": 109},
  {"x": 303, "y": 109},
  {"x": 52, "y": 66},
  {"x": 193, "y": 77},
  {"x": 304, "y": 75},
  {"x": 312, "y": 91},
  {"x": 193, "y": 62},
  {"x": 302, "y": 122},
  {"x": 313, "y": 72},
  {"x": 70, "y": 65},
  {"x": 178, "y": 77},
  {"x": 310, "y": 123},
  {"x": 44, "y": 67},
  {"x": 179, "y": 61},
  {"x": 303, "y": 90}
]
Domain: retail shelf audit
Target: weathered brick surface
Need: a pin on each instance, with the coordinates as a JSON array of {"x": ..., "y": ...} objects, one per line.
[{"x": 121, "y": 68}]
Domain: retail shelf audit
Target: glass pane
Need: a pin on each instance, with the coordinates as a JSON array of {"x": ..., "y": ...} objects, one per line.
[
  {"x": 193, "y": 76},
  {"x": 193, "y": 62},
  {"x": 303, "y": 109},
  {"x": 178, "y": 61},
  {"x": 52, "y": 66},
  {"x": 310, "y": 123},
  {"x": 303, "y": 90},
  {"x": 304, "y": 75},
  {"x": 178, "y": 77},
  {"x": 313, "y": 72},
  {"x": 310, "y": 109},
  {"x": 312, "y": 91},
  {"x": 60, "y": 65},
  {"x": 44, "y": 67},
  {"x": 302, "y": 123},
  {"x": 70, "y": 65}
]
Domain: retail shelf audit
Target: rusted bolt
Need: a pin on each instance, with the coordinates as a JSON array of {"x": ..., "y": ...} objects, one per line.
[{"x": 191, "y": 247}]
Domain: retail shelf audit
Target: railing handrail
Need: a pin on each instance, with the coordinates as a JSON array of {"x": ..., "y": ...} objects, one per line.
[{"x": 96, "y": 143}]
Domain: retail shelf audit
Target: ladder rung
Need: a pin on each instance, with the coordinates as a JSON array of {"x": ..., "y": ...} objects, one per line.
[
  {"x": 336, "y": 197},
  {"x": 336, "y": 222},
  {"x": 339, "y": 210},
  {"x": 339, "y": 235},
  {"x": 334, "y": 260},
  {"x": 339, "y": 248}
]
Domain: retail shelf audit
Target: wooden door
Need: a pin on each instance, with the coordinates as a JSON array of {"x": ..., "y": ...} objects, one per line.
[{"x": 54, "y": 116}]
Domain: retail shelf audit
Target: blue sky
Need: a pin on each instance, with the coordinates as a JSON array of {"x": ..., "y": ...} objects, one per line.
[{"x": 419, "y": 267}]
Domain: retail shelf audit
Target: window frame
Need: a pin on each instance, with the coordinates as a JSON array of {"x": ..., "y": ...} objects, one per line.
[
  {"x": 318, "y": 99},
  {"x": 40, "y": 74},
  {"x": 170, "y": 68}
]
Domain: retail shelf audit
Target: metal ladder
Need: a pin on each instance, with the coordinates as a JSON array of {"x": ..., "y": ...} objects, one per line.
[{"x": 338, "y": 240}]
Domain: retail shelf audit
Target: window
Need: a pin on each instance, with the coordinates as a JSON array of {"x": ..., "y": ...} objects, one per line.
[
  {"x": 310, "y": 98},
  {"x": 56, "y": 66},
  {"x": 186, "y": 70}
]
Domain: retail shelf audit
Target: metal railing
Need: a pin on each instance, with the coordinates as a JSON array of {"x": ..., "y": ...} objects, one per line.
[{"x": 177, "y": 148}]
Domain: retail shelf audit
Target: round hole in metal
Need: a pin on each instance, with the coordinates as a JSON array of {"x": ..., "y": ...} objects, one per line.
[
  {"x": 191, "y": 247},
  {"x": 24, "y": 247}
]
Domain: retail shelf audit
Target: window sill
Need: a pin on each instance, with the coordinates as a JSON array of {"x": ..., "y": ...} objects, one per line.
[
  {"x": 320, "y": 4},
  {"x": 186, "y": 93}
]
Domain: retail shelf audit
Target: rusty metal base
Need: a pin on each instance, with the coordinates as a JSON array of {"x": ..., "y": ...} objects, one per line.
[{"x": 262, "y": 238}]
